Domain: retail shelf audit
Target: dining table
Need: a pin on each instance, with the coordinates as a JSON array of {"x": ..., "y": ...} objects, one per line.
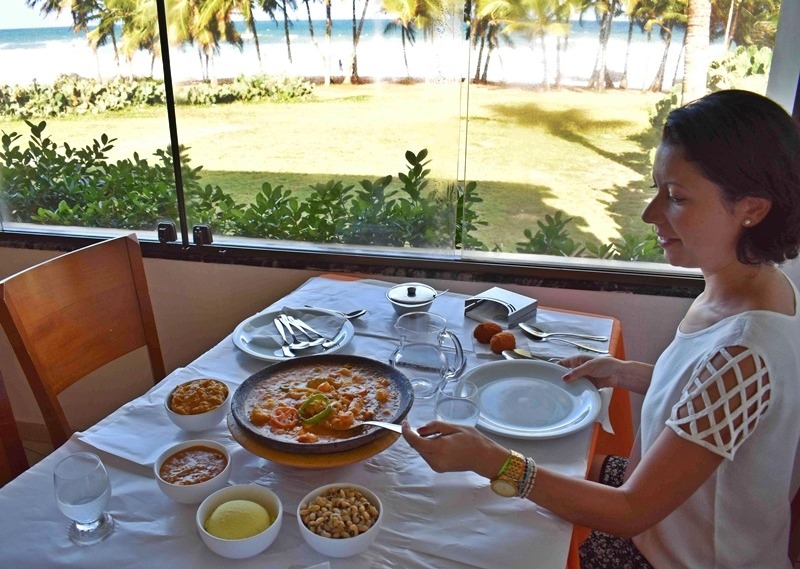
[{"x": 431, "y": 520}]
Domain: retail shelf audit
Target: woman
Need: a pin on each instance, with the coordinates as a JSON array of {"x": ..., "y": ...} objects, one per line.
[{"x": 711, "y": 478}]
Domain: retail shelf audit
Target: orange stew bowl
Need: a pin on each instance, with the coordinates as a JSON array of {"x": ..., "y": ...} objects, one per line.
[
  {"x": 312, "y": 405},
  {"x": 199, "y": 404}
]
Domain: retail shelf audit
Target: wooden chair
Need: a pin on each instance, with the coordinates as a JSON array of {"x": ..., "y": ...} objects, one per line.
[
  {"x": 12, "y": 455},
  {"x": 74, "y": 314}
]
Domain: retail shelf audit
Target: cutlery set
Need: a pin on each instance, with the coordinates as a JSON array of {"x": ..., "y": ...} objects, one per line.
[
  {"x": 287, "y": 325},
  {"x": 538, "y": 335}
]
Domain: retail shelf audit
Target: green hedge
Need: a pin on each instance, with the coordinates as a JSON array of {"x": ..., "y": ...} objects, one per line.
[
  {"x": 57, "y": 184},
  {"x": 70, "y": 94}
]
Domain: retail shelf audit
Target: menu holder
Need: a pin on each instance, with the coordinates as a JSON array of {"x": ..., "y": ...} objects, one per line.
[{"x": 501, "y": 306}]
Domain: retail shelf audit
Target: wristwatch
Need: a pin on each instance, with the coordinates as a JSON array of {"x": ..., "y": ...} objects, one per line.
[{"x": 506, "y": 483}]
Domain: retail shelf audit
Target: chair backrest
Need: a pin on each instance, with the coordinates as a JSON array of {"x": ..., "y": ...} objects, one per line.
[
  {"x": 75, "y": 313},
  {"x": 12, "y": 455}
]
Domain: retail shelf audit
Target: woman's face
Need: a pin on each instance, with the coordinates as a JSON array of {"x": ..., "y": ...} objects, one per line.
[{"x": 696, "y": 228}]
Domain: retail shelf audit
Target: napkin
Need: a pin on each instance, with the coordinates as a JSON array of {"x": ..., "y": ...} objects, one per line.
[
  {"x": 551, "y": 321},
  {"x": 267, "y": 336},
  {"x": 605, "y": 400}
]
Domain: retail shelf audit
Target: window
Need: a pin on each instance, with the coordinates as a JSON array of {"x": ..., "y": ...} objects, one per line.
[{"x": 477, "y": 134}]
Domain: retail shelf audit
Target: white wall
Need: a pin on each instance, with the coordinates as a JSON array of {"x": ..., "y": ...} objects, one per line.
[{"x": 198, "y": 304}]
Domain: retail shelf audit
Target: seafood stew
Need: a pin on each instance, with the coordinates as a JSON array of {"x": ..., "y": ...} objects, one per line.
[{"x": 312, "y": 405}]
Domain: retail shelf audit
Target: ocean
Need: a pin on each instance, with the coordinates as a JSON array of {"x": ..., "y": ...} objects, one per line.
[{"x": 41, "y": 54}]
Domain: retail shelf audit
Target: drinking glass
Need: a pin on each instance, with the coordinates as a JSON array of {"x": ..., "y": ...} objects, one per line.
[
  {"x": 82, "y": 492},
  {"x": 458, "y": 405}
]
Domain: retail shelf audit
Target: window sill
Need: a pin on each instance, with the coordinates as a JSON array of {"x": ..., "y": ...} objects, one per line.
[{"x": 524, "y": 270}]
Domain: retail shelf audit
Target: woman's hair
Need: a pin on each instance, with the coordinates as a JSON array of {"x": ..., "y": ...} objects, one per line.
[{"x": 749, "y": 146}]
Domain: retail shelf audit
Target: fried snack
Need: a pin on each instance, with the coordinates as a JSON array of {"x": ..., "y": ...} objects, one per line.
[
  {"x": 502, "y": 341},
  {"x": 485, "y": 330},
  {"x": 198, "y": 396}
]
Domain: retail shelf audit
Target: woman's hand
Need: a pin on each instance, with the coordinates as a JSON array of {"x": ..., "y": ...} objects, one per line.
[
  {"x": 456, "y": 448},
  {"x": 606, "y": 371}
]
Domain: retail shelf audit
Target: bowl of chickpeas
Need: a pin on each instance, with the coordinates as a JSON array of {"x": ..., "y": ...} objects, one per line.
[
  {"x": 341, "y": 519},
  {"x": 199, "y": 404}
]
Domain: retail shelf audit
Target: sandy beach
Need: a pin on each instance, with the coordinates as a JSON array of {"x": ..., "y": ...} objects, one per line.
[{"x": 447, "y": 57}]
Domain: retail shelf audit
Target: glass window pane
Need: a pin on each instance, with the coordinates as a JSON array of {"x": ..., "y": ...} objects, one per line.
[
  {"x": 83, "y": 116},
  {"x": 566, "y": 110},
  {"x": 302, "y": 137}
]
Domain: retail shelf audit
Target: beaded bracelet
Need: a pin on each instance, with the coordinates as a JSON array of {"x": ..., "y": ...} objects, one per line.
[
  {"x": 530, "y": 480},
  {"x": 526, "y": 481}
]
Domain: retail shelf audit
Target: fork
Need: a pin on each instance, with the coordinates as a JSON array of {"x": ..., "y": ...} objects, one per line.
[
  {"x": 296, "y": 343},
  {"x": 539, "y": 334},
  {"x": 285, "y": 346}
]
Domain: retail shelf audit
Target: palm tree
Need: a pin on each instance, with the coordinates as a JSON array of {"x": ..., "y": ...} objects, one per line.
[
  {"x": 534, "y": 18},
  {"x": 357, "y": 27},
  {"x": 607, "y": 9},
  {"x": 326, "y": 67},
  {"x": 695, "y": 66},
  {"x": 483, "y": 33},
  {"x": 631, "y": 9},
  {"x": 665, "y": 14},
  {"x": 403, "y": 13}
]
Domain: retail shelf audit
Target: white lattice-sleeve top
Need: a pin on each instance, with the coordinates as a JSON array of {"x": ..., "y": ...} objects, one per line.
[{"x": 723, "y": 401}]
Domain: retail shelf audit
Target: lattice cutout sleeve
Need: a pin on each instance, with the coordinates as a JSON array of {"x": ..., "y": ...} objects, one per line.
[{"x": 723, "y": 403}]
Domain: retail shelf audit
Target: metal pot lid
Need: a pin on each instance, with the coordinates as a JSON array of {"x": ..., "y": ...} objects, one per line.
[{"x": 412, "y": 293}]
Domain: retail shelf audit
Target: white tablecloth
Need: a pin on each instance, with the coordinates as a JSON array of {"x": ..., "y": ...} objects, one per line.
[{"x": 432, "y": 520}]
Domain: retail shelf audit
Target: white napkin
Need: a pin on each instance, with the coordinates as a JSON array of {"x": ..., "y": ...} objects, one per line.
[
  {"x": 328, "y": 325},
  {"x": 140, "y": 431},
  {"x": 605, "y": 401},
  {"x": 552, "y": 321}
]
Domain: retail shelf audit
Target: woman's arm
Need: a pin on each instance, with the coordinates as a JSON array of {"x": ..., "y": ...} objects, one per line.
[{"x": 669, "y": 473}]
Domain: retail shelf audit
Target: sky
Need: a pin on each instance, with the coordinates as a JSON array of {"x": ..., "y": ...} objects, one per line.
[{"x": 16, "y": 14}]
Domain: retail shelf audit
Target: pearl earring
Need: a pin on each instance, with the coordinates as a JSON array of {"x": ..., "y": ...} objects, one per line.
[{"x": 747, "y": 223}]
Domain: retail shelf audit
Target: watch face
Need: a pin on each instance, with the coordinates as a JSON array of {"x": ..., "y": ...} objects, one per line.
[{"x": 504, "y": 488}]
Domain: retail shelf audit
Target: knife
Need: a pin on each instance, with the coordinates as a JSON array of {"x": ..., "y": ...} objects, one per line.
[
  {"x": 300, "y": 324},
  {"x": 285, "y": 347}
]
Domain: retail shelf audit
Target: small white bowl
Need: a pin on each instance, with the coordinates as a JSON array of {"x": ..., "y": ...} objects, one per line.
[
  {"x": 347, "y": 546},
  {"x": 193, "y": 493},
  {"x": 250, "y": 546},
  {"x": 411, "y": 297},
  {"x": 199, "y": 421}
]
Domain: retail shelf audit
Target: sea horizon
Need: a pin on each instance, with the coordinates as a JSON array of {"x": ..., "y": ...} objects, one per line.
[{"x": 42, "y": 54}]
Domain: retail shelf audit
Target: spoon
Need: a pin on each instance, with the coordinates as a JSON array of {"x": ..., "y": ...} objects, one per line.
[
  {"x": 520, "y": 354},
  {"x": 584, "y": 347},
  {"x": 389, "y": 426},
  {"x": 539, "y": 334},
  {"x": 349, "y": 315}
]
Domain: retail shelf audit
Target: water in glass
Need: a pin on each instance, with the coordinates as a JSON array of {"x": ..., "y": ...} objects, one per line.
[
  {"x": 458, "y": 405},
  {"x": 82, "y": 491}
]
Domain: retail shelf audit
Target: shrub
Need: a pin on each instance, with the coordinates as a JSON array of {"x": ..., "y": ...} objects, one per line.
[
  {"x": 747, "y": 67},
  {"x": 70, "y": 94},
  {"x": 62, "y": 185}
]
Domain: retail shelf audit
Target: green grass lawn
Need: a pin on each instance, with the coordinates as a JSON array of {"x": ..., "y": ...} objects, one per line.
[{"x": 531, "y": 152}]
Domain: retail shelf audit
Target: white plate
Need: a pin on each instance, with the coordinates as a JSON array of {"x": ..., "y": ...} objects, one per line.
[
  {"x": 241, "y": 336},
  {"x": 527, "y": 399}
]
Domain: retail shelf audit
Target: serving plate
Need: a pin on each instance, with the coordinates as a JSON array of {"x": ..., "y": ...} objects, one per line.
[
  {"x": 527, "y": 399},
  {"x": 241, "y": 407},
  {"x": 244, "y": 335}
]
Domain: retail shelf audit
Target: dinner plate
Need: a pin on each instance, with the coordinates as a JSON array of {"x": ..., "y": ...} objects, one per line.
[
  {"x": 527, "y": 399},
  {"x": 241, "y": 405},
  {"x": 242, "y": 336}
]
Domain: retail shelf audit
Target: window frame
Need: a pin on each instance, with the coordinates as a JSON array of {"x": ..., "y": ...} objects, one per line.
[{"x": 520, "y": 269}]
